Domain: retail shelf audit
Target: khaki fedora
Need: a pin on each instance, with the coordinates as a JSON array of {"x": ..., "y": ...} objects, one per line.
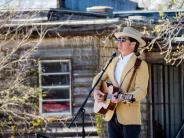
[{"x": 133, "y": 33}]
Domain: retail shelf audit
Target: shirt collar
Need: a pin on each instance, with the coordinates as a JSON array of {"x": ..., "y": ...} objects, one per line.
[{"x": 125, "y": 57}]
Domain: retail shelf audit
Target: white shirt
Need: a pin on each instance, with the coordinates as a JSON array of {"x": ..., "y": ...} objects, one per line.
[{"x": 120, "y": 66}]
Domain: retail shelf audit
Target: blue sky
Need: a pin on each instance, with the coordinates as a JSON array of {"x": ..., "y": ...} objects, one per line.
[{"x": 25, "y": 4}]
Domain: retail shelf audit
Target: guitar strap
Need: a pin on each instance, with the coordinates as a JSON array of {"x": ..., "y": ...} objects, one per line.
[{"x": 136, "y": 65}]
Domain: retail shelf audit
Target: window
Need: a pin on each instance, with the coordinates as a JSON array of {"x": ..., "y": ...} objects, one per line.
[{"x": 55, "y": 81}]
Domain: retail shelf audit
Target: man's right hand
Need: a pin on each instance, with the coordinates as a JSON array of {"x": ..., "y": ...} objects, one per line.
[{"x": 99, "y": 96}]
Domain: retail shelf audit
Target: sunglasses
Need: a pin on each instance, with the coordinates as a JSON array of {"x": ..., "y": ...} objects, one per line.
[{"x": 121, "y": 39}]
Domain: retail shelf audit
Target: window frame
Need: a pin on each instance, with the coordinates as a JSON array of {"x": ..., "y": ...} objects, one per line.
[{"x": 56, "y": 87}]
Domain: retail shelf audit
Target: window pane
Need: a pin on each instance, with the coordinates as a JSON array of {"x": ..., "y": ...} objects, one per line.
[
  {"x": 54, "y": 67},
  {"x": 55, "y": 107},
  {"x": 54, "y": 80},
  {"x": 56, "y": 94},
  {"x": 54, "y": 75}
]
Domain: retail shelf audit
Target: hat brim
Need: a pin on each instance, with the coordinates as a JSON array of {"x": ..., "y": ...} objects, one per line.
[{"x": 142, "y": 43}]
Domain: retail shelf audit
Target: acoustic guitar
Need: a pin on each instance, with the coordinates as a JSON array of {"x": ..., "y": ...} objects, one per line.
[{"x": 108, "y": 89}]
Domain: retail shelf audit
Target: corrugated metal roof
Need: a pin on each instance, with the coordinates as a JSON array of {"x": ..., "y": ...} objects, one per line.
[
  {"x": 66, "y": 23},
  {"x": 61, "y": 16},
  {"x": 148, "y": 13}
]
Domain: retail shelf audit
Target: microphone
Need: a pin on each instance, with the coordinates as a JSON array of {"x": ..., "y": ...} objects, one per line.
[{"x": 114, "y": 54}]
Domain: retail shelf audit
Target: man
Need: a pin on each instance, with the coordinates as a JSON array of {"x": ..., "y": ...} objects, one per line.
[{"x": 125, "y": 120}]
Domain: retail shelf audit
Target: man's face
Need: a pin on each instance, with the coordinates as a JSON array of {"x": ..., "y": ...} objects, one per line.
[{"x": 125, "y": 46}]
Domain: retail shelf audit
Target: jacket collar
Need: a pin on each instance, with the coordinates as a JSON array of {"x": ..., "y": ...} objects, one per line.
[{"x": 130, "y": 64}]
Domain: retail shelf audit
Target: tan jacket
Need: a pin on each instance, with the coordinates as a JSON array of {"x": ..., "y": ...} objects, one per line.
[{"x": 128, "y": 113}]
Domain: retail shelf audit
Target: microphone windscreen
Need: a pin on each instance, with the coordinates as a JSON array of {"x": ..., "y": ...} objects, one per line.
[{"x": 114, "y": 54}]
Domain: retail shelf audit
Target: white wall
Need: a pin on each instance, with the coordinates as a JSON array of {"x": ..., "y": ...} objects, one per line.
[
  {"x": 27, "y": 4},
  {"x": 160, "y": 4}
]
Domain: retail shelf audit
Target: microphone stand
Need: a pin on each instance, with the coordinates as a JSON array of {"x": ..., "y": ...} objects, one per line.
[{"x": 81, "y": 109}]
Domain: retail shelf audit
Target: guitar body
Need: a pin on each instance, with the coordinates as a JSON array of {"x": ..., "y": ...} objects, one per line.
[{"x": 105, "y": 106}]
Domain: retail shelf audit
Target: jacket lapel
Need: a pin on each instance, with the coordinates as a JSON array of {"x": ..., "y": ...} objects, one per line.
[
  {"x": 113, "y": 65},
  {"x": 130, "y": 64}
]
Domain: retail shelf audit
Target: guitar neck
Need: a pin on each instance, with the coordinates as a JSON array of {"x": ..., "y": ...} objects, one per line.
[
  {"x": 109, "y": 96},
  {"x": 122, "y": 97}
]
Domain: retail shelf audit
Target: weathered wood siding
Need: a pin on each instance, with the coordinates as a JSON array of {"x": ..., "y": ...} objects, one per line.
[{"x": 83, "y": 53}]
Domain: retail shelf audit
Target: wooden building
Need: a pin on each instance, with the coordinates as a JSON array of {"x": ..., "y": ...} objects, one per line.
[{"x": 71, "y": 54}]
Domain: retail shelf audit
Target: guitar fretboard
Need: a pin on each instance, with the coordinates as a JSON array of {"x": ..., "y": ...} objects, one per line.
[{"x": 122, "y": 96}]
